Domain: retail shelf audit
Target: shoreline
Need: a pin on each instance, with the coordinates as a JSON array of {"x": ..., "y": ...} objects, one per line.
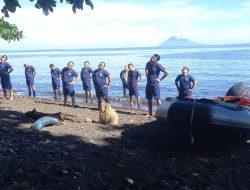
[{"x": 114, "y": 101}]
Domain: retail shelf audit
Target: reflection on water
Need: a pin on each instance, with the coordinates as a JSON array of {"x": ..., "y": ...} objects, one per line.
[{"x": 215, "y": 69}]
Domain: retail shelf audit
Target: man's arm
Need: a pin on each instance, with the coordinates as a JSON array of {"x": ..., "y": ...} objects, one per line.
[
  {"x": 193, "y": 85},
  {"x": 177, "y": 83},
  {"x": 10, "y": 70},
  {"x": 166, "y": 73},
  {"x": 109, "y": 81}
]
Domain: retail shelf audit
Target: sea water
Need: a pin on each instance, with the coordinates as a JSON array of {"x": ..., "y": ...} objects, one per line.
[{"x": 215, "y": 68}]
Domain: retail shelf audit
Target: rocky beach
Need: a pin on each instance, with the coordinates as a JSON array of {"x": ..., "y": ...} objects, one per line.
[{"x": 138, "y": 153}]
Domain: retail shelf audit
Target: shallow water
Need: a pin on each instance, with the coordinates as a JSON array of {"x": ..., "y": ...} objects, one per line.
[{"x": 215, "y": 68}]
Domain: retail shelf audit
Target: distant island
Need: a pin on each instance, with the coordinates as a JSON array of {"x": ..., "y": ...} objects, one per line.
[{"x": 178, "y": 42}]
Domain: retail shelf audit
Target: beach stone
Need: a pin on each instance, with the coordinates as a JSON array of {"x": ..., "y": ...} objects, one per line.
[
  {"x": 129, "y": 180},
  {"x": 65, "y": 153},
  {"x": 87, "y": 120}
]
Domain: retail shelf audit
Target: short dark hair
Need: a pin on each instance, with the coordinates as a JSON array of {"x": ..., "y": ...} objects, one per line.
[
  {"x": 130, "y": 64},
  {"x": 185, "y": 68},
  {"x": 102, "y": 63},
  {"x": 157, "y": 57},
  {"x": 5, "y": 56},
  {"x": 86, "y": 62},
  {"x": 70, "y": 62}
]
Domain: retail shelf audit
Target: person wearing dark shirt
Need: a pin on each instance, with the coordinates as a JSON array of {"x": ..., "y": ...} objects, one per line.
[
  {"x": 101, "y": 84},
  {"x": 134, "y": 77},
  {"x": 69, "y": 78},
  {"x": 185, "y": 84},
  {"x": 124, "y": 79},
  {"x": 30, "y": 73},
  {"x": 152, "y": 70},
  {"x": 86, "y": 76},
  {"x": 56, "y": 80},
  {"x": 5, "y": 70}
]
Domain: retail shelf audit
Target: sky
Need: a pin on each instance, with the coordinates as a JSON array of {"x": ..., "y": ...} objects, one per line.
[{"x": 131, "y": 23}]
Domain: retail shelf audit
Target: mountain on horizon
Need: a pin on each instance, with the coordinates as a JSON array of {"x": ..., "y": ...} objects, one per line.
[{"x": 178, "y": 42}]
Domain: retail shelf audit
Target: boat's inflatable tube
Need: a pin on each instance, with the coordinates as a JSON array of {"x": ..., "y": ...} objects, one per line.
[
  {"x": 204, "y": 116},
  {"x": 239, "y": 89},
  {"x": 161, "y": 112},
  {"x": 44, "y": 121}
]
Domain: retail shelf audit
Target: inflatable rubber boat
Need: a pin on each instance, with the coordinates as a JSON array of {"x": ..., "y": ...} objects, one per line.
[{"x": 205, "y": 117}]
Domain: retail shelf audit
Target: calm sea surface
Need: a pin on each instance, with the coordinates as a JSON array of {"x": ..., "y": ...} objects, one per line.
[{"x": 215, "y": 69}]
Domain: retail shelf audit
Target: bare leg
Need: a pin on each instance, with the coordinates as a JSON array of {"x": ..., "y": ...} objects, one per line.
[
  {"x": 55, "y": 96},
  {"x": 5, "y": 93},
  {"x": 138, "y": 102},
  {"x": 34, "y": 91},
  {"x": 11, "y": 94},
  {"x": 29, "y": 88},
  {"x": 65, "y": 97},
  {"x": 150, "y": 105},
  {"x": 131, "y": 102},
  {"x": 59, "y": 93},
  {"x": 99, "y": 99},
  {"x": 90, "y": 95},
  {"x": 73, "y": 100},
  {"x": 86, "y": 96},
  {"x": 158, "y": 102}
]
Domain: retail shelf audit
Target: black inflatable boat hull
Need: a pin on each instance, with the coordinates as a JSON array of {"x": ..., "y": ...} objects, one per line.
[
  {"x": 239, "y": 89},
  {"x": 204, "y": 116}
]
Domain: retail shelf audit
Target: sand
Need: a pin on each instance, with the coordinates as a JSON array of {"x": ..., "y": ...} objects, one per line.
[{"x": 136, "y": 154}]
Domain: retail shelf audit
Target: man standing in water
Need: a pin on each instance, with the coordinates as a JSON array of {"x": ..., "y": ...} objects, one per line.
[
  {"x": 152, "y": 70},
  {"x": 185, "y": 84},
  {"x": 101, "y": 85},
  {"x": 5, "y": 70},
  {"x": 124, "y": 79},
  {"x": 134, "y": 77},
  {"x": 30, "y": 73},
  {"x": 69, "y": 78},
  {"x": 86, "y": 76},
  {"x": 56, "y": 80}
]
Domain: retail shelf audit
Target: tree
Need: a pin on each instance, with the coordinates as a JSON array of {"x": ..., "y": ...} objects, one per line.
[
  {"x": 10, "y": 32},
  {"x": 46, "y": 5}
]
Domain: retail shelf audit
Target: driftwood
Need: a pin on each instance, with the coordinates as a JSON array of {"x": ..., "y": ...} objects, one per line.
[
  {"x": 107, "y": 115},
  {"x": 35, "y": 115}
]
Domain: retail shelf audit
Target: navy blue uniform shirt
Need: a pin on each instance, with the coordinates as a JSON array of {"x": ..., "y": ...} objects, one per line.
[
  {"x": 29, "y": 71},
  {"x": 99, "y": 77},
  {"x": 133, "y": 77},
  {"x": 185, "y": 81},
  {"x": 86, "y": 73},
  {"x": 55, "y": 74},
  {"x": 68, "y": 75},
  {"x": 154, "y": 70}
]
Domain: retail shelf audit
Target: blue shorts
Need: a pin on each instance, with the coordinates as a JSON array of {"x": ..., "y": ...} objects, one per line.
[
  {"x": 153, "y": 91},
  {"x": 101, "y": 92},
  {"x": 133, "y": 90},
  {"x": 86, "y": 85},
  {"x": 183, "y": 93},
  {"x": 5, "y": 82},
  {"x": 68, "y": 90},
  {"x": 56, "y": 84},
  {"x": 30, "y": 81}
]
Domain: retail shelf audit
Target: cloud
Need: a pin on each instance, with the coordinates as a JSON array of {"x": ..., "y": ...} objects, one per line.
[{"x": 127, "y": 24}]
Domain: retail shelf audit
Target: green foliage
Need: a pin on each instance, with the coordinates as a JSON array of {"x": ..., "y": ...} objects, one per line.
[
  {"x": 9, "y": 32},
  {"x": 46, "y": 5}
]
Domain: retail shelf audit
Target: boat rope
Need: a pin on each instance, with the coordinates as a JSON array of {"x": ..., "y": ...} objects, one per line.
[{"x": 191, "y": 123}]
